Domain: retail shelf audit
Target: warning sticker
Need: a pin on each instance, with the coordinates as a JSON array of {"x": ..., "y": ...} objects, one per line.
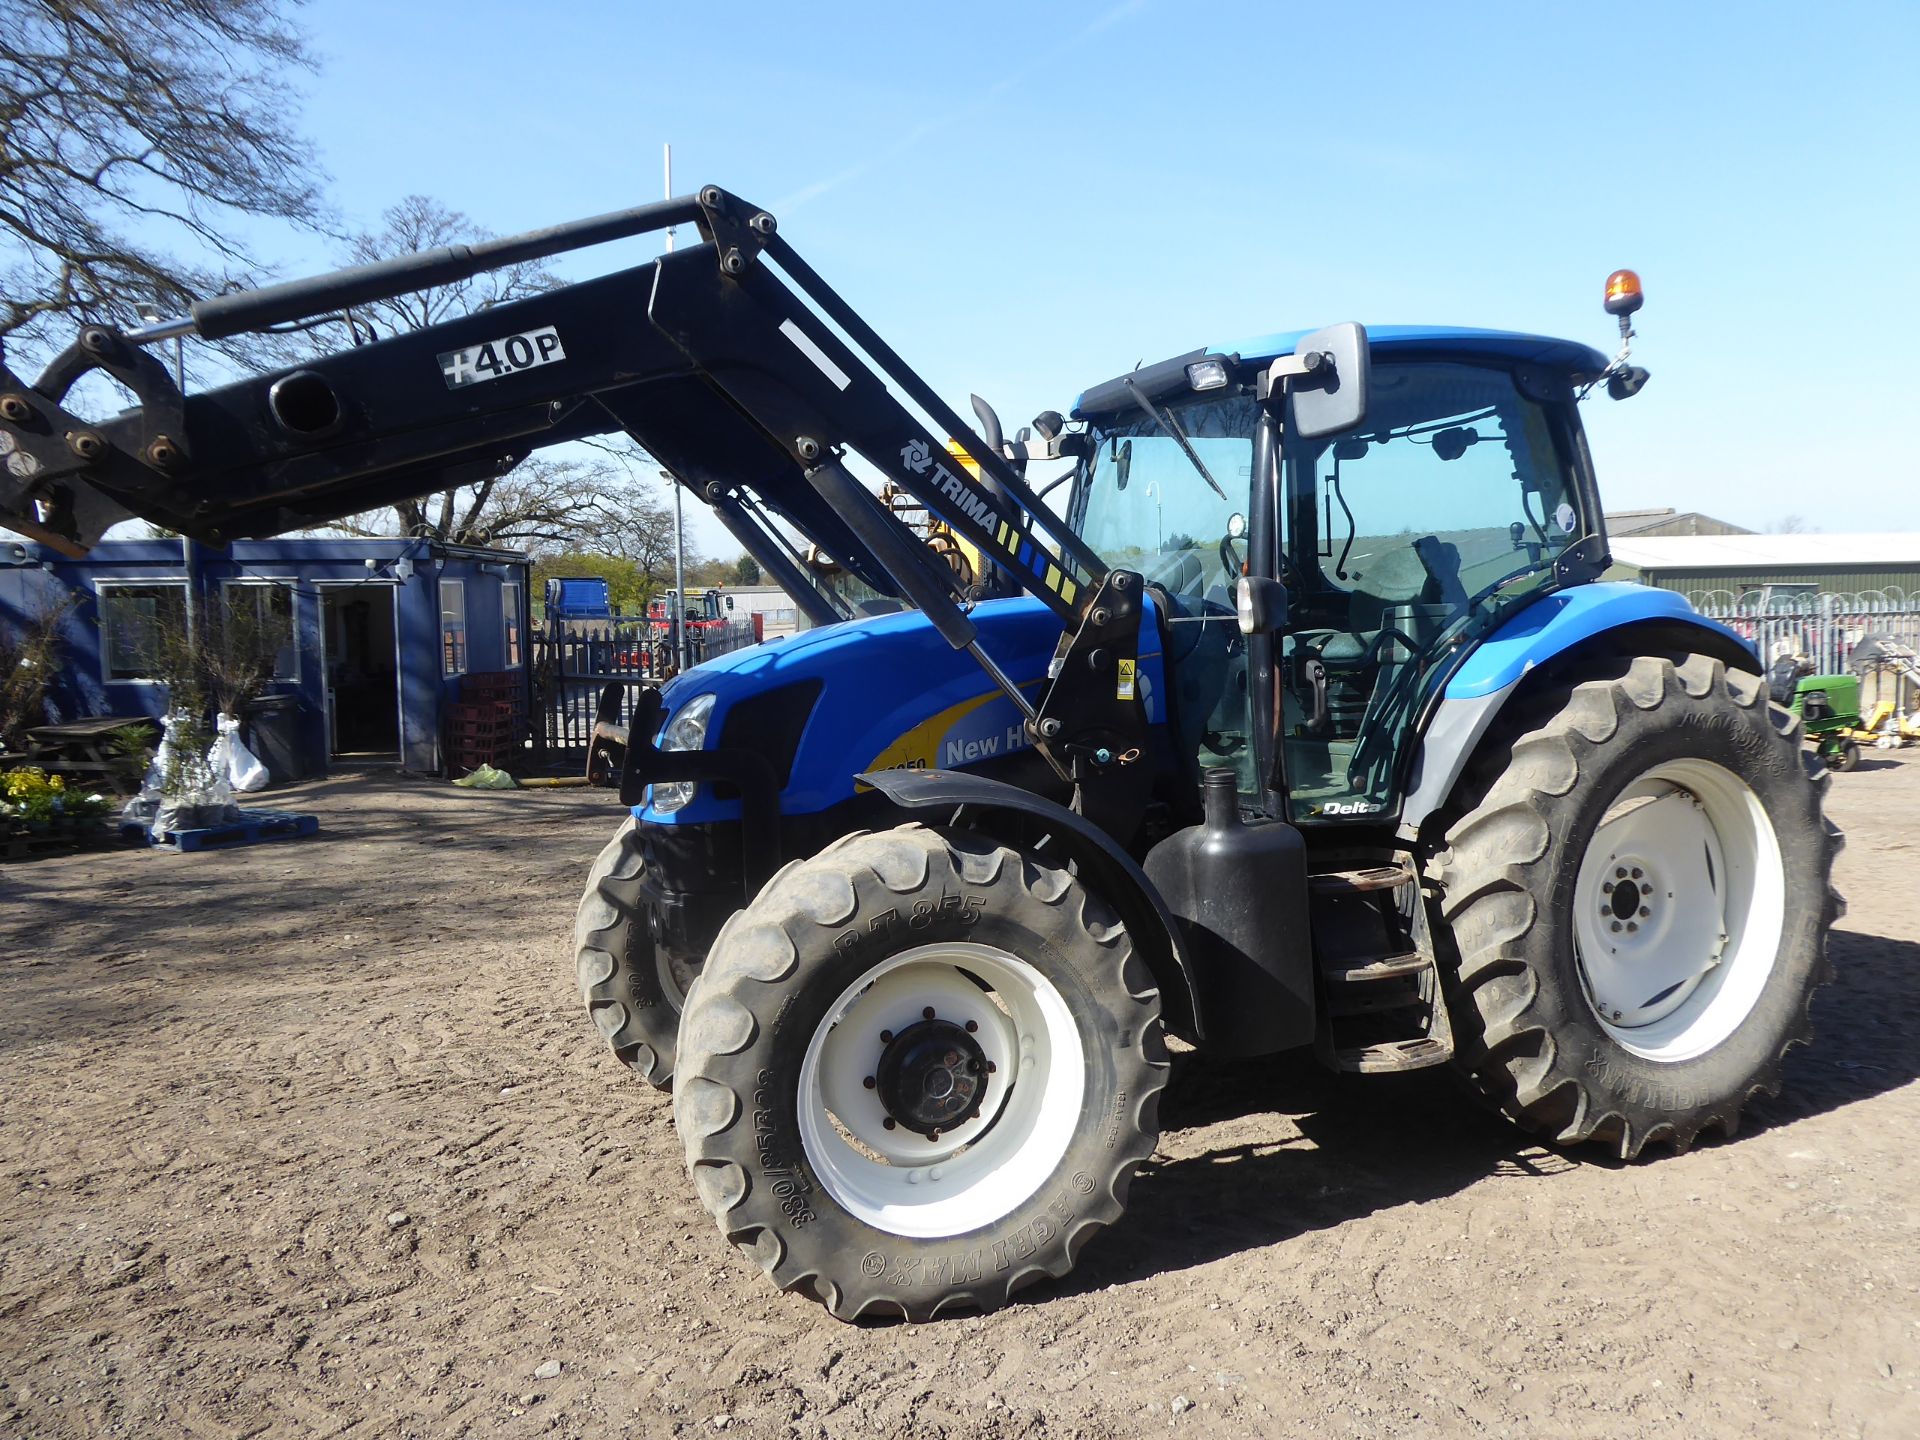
[
  {"x": 505, "y": 356},
  {"x": 1124, "y": 690}
]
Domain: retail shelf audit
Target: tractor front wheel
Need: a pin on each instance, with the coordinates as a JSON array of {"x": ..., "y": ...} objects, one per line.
[
  {"x": 1638, "y": 904},
  {"x": 917, "y": 1073},
  {"x": 633, "y": 989}
]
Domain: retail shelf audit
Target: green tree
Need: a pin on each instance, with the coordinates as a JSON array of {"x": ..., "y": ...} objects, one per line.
[{"x": 746, "y": 571}]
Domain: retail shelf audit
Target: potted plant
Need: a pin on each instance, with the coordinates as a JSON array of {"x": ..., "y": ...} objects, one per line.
[{"x": 36, "y": 805}]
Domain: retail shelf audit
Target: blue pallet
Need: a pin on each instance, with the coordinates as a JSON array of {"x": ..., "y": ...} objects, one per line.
[{"x": 254, "y": 827}]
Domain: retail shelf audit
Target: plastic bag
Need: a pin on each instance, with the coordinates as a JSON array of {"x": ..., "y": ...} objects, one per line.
[
  {"x": 183, "y": 790},
  {"x": 230, "y": 757},
  {"x": 485, "y": 777}
]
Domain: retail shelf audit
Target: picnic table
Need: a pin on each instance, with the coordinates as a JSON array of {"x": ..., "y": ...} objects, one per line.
[{"x": 80, "y": 747}]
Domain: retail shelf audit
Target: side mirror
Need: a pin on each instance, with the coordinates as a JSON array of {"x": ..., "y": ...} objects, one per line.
[
  {"x": 1627, "y": 383},
  {"x": 1452, "y": 443},
  {"x": 1262, "y": 605},
  {"x": 1122, "y": 464},
  {"x": 1329, "y": 381}
]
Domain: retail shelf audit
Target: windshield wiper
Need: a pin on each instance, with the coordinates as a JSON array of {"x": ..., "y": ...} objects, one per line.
[{"x": 1164, "y": 419}]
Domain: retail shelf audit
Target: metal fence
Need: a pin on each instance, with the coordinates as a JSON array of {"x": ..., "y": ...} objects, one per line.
[
  {"x": 575, "y": 660},
  {"x": 1821, "y": 630}
]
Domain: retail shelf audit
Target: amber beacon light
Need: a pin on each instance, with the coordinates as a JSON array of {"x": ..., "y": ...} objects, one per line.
[{"x": 1623, "y": 293}]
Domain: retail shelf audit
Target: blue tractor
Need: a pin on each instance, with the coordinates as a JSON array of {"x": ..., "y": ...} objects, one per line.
[{"x": 1290, "y": 713}]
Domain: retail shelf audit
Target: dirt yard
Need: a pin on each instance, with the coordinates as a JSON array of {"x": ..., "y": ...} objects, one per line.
[{"x": 314, "y": 1139}]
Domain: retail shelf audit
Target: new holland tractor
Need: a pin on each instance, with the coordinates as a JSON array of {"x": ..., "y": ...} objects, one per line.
[{"x": 1291, "y": 713}]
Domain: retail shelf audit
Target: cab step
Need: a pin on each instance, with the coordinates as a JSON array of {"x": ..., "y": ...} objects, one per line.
[
  {"x": 1385, "y": 967},
  {"x": 1377, "y": 1021},
  {"x": 1365, "y": 880},
  {"x": 1392, "y": 1056},
  {"x": 1376, "y": 985}
]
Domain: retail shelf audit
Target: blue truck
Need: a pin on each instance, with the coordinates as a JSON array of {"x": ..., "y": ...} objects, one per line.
[{"x": 1286, "y": 711}]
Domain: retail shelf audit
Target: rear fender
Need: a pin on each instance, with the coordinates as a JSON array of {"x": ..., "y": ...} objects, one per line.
[
  {"x": 1108, "y": 869},
  {"x": 1534, "y": 649}
]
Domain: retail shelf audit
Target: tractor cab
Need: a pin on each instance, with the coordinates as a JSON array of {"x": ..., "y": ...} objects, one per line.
[{"x": 1462, "y": 493}]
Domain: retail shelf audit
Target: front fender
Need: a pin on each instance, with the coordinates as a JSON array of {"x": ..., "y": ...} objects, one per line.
[
  {"x": 1111, "y": 871},
  {"x": 1616, "y": 617}
]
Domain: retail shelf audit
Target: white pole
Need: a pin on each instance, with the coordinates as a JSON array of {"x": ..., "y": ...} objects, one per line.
[
  {"x": 681, "y": 646},
  {"x": 666, "y": 156}
]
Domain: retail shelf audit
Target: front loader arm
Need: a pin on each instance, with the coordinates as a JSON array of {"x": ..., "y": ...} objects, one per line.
[
  {"x": 733, "y": 374},
  {"x": 715, "y": 364}
]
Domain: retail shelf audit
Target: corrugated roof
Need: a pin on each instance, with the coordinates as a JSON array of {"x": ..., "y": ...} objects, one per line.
[{"x": 1747, "y": 552}]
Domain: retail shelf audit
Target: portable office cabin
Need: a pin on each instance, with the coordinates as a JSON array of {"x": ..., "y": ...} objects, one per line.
[{"x": 379, "y": 631}]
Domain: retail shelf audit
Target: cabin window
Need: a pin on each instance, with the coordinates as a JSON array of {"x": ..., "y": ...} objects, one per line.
[
  {"x": 453, "y": 626},
  {"x": 134, "y": 620}
]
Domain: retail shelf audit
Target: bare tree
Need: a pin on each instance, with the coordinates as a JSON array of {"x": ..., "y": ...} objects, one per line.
[
  {"x": 600, "y": 503},
  {"x": 417, "y": 223},
  {"x": 131, "y": 130},
  {"x": 543, "y": 505},
  {"x": 1792, "y": 525}
]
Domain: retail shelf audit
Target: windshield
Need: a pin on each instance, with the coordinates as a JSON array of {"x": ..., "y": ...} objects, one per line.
[{"x": 1143, "y": 505}]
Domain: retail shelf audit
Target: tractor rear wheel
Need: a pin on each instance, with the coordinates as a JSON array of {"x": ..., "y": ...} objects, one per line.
[
  {"x": 633, "y": 990},
  {"x": 917, "y": 1073},
  {"x": 1638, "y": 905}
]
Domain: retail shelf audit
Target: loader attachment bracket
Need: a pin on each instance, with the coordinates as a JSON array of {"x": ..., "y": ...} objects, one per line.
[
  {"x": 44, "y": 446},
  {"x": 1093, "y": 719}
]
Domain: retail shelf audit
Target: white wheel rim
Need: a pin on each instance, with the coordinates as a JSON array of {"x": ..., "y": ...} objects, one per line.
[
  {"x": 1678, "y": 908},
  {"x": 982, "y": 1169}
]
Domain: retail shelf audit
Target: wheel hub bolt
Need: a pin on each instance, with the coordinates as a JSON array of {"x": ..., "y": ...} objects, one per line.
[
  {"x": 973, "y": 1027},
  {"x": 927, "y": 1014},
  {"x": 868, "y": 1082}
]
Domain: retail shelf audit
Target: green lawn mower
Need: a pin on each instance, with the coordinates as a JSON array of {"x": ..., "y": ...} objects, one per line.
[{"x": 1829, "y": 711}]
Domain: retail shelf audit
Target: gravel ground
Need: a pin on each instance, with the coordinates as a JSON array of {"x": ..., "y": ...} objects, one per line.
[{"x": 313, "y": 1139}]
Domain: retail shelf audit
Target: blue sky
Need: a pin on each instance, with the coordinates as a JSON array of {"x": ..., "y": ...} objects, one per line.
[{"x": 1025, "y": 199}]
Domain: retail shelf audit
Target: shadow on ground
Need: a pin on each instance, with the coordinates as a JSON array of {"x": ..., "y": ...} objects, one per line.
[{"x": 1372, "y": 1143}]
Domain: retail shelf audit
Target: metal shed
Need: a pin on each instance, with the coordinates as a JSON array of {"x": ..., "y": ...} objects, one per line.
[
  {"x": 380, "y": 631},
  {"x": 1728, "y": 567}
]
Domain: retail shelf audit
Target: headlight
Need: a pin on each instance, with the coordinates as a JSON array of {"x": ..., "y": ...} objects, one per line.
[{"x": 686, "y": 731}]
